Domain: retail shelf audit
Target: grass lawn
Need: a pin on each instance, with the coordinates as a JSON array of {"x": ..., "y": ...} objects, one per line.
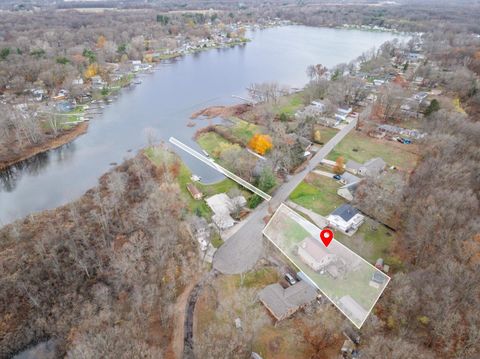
[
  {"x": 366, "y": 148},
  {"x": 243, "y": 130},
  {"x": 289, "y": 104},
  {"x": 158, "y": 155},
  {"x": 211, "y": 141},
  {"x": 318, "y": 193},
  {"x": 378, "y": 241},
  {"x": 326, "y": 133}
]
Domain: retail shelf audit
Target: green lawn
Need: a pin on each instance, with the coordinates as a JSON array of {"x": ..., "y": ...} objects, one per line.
[
  {"x": 378, "y": 241},
  {"x": 320, "y": 195},
  {"x": 289, "y": 104},
  {"x": 326, "y": 133},
  {"x": 359, "y": 147},
  {"x": 243, "y": 130},
  {"x": 211, "y": 142},
  {"x": 158, "y": 155}
]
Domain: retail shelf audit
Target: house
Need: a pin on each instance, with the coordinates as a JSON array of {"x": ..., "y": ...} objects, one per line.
[
  {"x": 372, "y": 167},
  {"x": 420, "y": 96},
  {"x": 222, "y": 206},
  {"x": 97, "y": 82},
  {"x": 77, "y": 82},
  {"x": 283, "y": 302},
  {"x": 348, "y": 178},
  {"x": 200, "y": 231},
  {"x": 194, "y": 191},
  {"x": 348, "y": 348},
  {"x": 315, "y": 254},
  {"x": 346, "y": 218},
  {"x": 348, "y": 191},
  {"x": 352, "y": 309},
  {"x": 378, "y": 279}
]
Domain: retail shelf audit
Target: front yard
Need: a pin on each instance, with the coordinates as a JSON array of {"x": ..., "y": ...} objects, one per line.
[{"x": 318, "y": 193}]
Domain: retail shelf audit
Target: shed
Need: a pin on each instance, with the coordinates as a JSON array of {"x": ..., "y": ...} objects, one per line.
[{"x": 194, "y": 191}]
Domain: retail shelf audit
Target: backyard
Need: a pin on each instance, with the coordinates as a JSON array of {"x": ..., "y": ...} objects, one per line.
[
  {"x": 359, "y": 147},
  {"x": 158, "y": 155}
]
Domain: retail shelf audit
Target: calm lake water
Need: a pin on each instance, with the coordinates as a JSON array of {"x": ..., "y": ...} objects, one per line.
[{"x": 165, "y": 100}]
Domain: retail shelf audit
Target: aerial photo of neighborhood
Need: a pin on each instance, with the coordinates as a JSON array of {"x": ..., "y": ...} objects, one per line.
[{"x": 224, "y": 179}]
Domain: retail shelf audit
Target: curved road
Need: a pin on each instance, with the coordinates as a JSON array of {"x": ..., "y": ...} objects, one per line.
[{"x": 245, "y": 247}]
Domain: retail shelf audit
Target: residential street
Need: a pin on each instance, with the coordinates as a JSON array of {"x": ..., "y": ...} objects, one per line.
[{"x": 241, "y": 251}]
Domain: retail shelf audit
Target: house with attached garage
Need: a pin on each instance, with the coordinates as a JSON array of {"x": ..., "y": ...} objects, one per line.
[
  {"x": 346, "y": 219},
  {"x": 283, "y": 302},
  {"x": 372, "y": 167}
]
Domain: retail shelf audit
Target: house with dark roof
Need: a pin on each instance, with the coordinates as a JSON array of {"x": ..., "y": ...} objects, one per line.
[
  {"x": 372, "y": 167},
  {"x": 283, "y": 302},
  {"x": 346, "y": 219}
]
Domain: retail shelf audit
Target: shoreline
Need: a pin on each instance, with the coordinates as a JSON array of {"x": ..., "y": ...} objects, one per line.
[{"x": 51, "y": 144}]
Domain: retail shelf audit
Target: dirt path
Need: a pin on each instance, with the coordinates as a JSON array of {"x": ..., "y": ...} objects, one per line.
[{"x": 176, "y": 346}]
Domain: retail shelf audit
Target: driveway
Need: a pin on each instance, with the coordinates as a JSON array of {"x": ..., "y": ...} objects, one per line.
[{"x": 245, "y": 247}]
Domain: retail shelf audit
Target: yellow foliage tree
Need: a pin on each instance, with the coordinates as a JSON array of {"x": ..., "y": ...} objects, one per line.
[
  {"x": 339, "y": 167},
  {"x": 91, "y": 71},
  {"x": 260, "y": 143},
  {"x": 317, "y": 136},
  {"x": 101, "y": 41}
]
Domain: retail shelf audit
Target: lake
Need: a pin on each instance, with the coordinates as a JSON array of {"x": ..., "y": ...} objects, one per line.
[{"x": 165, "y": 100}]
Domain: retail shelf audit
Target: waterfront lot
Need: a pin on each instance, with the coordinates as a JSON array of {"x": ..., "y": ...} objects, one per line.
[{"x": 288, "y": 231}]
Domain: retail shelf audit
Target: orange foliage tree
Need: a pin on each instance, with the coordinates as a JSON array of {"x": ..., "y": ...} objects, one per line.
[
  {"x": 260, "y": 143},
  {"x": 339, "y": 167}
]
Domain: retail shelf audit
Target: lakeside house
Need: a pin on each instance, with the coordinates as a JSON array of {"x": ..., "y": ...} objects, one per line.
[
  {"x": 222, "y": 206},
  {"x": 284, "y": 302},
  {"x": 346, "y": 219}
]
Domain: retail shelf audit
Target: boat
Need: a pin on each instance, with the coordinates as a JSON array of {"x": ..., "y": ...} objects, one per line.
[
  {"x": 205, "y": 153},
  {"x": 195, "y": 178}
]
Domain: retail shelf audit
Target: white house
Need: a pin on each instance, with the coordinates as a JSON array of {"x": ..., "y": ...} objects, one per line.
[
  {"x": 346, "y": 218},
  {"x": 314, "y": 254}
]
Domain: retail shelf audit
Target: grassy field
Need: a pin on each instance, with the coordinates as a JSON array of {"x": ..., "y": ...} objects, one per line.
[
  {"x": 243, "y": 130},
  {"x": 318, "y": 193},
  {"x": 326, "y": 133},
  {"x": 359, "y": 147},
  {"x": 211, "y": 141}
]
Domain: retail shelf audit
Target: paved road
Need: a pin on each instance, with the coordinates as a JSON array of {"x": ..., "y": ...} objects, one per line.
[{"x": 241, "y": 251}]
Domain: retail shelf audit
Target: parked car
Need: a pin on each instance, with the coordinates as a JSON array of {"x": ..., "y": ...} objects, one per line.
[
  {"x": 337, "y": 177},
  {"x": 290, "y": 279}
]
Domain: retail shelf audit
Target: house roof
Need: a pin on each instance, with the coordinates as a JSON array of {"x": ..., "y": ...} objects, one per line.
[
  {"x": 282, "y": 302},
  {"x": 313, "y": 247},
  {"x": 351, "y": 187},
  {"x": 346, "y": 212},
  {"x": 353, "y": 165},
  {"x": 376, "y": 164},
  {"x": 194, "y": 191},
  {"x": 349, "y": 178}
]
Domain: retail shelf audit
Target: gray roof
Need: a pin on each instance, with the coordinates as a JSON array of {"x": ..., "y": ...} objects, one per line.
[
  {"x": 282, "y": 302},
  {"x": 351, "y": 187},
  {"x": 353, "y": 165},
  {"x": 349, "y": 178},
  {"x": 374, "y": 165},
  {"x": 345, "y": 211}
]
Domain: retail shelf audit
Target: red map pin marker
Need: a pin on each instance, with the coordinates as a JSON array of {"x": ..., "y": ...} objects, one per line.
[{"x": 326, "y": 236}]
